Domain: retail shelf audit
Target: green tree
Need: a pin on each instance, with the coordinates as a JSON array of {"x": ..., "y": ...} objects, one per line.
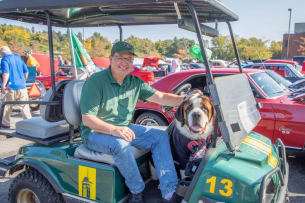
[{"x": 276, "y": 50}]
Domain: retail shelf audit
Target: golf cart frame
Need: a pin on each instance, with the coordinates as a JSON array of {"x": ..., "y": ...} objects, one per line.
[{"x": 95, "y": 13}]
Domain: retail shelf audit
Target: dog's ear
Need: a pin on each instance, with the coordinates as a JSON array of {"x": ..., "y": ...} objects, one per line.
[{"x": 179, "y": 115}]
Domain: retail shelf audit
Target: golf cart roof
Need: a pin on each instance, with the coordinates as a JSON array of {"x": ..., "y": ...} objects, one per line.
[{"x": 92, "y": 13}]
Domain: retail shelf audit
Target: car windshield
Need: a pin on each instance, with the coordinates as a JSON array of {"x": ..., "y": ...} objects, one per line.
[
  {"x": 298, "y": 67},
  {"x": 268, "y": 85},
  {"x": 294, "y": 70},
  {"x": 278, "y": 78}
]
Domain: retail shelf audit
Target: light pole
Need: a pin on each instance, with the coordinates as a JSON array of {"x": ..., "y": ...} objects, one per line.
[{"x": 288, "y": 33}]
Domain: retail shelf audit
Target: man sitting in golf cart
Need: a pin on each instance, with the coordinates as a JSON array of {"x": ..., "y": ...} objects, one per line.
[{"x": 108, "y": 102}]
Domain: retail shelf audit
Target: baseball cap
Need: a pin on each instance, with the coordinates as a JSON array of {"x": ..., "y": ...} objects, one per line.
[
  {"x": 27, "y": 51},
  {"x": 122, "y": 47}
]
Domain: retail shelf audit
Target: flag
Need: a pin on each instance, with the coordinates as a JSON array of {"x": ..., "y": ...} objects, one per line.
[
  {"x": 82, "y": 58},
  {"x": 195, "y": 53}
]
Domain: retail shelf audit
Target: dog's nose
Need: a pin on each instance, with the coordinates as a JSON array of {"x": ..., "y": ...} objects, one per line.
[{"x": 196, "y": 115}]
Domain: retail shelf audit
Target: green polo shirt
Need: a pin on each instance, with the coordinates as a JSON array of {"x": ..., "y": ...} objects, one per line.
[{"x": 115, "y": 104}]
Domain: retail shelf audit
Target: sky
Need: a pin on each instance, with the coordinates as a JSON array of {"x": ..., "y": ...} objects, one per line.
[{"x": 267, "y": 19}]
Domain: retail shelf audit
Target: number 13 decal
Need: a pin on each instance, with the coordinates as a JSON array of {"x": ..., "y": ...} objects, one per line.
[{"x": 226, "y": 186}]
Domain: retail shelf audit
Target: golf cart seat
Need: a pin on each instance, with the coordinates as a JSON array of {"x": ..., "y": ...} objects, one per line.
[
  {"x": 50, "y": 124},
  {"x": 72, "y": 113}
]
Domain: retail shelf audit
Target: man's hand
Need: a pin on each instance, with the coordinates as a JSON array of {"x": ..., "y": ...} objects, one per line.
[
  {"x": 123, "y": 132},
  {"x": 3, "y": 90}
]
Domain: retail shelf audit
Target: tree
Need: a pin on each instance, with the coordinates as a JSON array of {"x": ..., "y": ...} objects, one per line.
[
  {"x": 33, "y": 29},
  {"x": 302, "y": 46},
  {"x": 79, "y": 36},
  {"x": 276, "y": 50}
]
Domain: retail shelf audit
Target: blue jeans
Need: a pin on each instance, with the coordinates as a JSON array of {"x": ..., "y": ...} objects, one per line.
[{"x": 146, "y": 138}]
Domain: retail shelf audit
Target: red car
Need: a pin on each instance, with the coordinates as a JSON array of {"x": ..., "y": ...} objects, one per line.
[
  {"x": 152, "y": 64},
  {"x": 295, "y": 64},
  {"x": 282, "y": 114}
]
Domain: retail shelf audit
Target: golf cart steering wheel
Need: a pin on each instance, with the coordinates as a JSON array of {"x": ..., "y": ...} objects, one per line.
[{"x": 185, "y": 89}]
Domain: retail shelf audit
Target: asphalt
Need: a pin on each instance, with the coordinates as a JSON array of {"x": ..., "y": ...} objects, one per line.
[{"x": 296, "y": 185}]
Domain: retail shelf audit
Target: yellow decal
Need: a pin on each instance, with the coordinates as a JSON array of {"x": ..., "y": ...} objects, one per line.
[
  {"x": 226, "y": 185},
  {"x": 87, "y": 182},
  {"x": 262, "y": 147}
]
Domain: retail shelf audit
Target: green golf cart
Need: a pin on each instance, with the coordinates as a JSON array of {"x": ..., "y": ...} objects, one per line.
[{"x": 240, "y": 166}]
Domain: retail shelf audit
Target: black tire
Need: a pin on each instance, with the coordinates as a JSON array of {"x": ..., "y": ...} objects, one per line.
[
  {"x": 31, "y": 186},
  {"x": 151, "y": 119},
  {"x": 34, "y": 107}
]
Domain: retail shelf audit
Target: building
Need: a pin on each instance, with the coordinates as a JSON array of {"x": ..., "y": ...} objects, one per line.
[{"x": 294, "y": 42}]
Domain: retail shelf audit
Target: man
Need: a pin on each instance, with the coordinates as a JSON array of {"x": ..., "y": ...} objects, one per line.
[
  {"x": 61, "y": 61},
  {"x": 176, "y": 64},
  {"x": 14, "y": 71},
  {"x": 32, "y": 61},
  {"x": 108, "y": 102}
]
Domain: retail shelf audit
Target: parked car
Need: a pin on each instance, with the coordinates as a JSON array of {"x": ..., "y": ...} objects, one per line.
[
  {"x": 285, "y": 70},
  {"x": 152, "y": 64},
  {"x": 282, "y": 116},
  {"x": 222, "y": 64},
  {"x": 196, "y": 66},
  {"x": 165, "y": 67},
  {"x": 295, "y": 64},
  {"x": 299, "y": 59}
]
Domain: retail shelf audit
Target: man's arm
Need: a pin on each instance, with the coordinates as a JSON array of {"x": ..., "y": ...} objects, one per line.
[
  {"x": 166, "y": 99},
  {"x": 101, "y": 126},
  {"x": 26, "y": 75},
  {"x": 5, "y": 77}
]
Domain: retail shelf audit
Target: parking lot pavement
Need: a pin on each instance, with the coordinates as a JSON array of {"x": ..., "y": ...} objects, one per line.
[
  {"x": 296, "y": 161},
  {"x": 296, "y": 185}
]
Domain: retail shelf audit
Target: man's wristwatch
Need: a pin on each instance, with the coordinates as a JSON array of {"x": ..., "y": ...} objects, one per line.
[{"x": 184, "y": 97}]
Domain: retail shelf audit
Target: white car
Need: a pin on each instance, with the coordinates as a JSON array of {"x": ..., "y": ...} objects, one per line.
[{"x": 222, "y": 64}]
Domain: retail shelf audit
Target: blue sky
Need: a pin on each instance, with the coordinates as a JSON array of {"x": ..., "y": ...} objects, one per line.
[{"x": 266, "y": 19}]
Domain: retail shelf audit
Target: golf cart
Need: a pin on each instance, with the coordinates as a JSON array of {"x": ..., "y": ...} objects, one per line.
[{"x": 242, "y": 166}]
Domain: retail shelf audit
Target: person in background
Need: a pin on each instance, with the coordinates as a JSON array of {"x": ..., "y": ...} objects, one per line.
[
  {"x": 61, "y": 61},
  {"x": 14, "y": 71},
  {"x": 67, "y": 62},
  {"x": 176, "y": 64},
  {"x": 32, "y": 61}
]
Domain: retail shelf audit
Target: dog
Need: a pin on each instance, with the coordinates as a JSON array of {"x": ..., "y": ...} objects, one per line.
[{"x": 190, "y": 132}]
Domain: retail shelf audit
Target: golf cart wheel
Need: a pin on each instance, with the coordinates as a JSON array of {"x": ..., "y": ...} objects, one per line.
[
  {"x": 31, "y": 186},
  {"x": 150, "y": 119},
  {"x": 34, "y": 107}
]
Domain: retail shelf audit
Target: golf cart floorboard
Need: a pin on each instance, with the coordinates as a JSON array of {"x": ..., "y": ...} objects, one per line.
[{"x": 151, "y": 193}]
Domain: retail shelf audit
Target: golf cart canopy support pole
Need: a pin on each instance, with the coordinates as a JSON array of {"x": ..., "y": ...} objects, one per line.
[
  {"x": 72, "y": 52},
  {"x": 199, "y": 36},
  {"x": 50, "y": 36},
  {"x": 234, "y": 45},
  {"x": 121, "y": 33}
]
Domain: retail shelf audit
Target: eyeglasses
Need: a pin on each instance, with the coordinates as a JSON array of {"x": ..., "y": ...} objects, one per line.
[{"x": 121, "y": 59}]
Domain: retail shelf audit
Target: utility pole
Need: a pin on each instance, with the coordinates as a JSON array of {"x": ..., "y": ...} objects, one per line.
[{"x": 288, "y": 34}]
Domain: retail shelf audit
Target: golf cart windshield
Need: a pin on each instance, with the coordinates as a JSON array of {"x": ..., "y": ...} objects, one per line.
[{"x": 239, "y": 111}]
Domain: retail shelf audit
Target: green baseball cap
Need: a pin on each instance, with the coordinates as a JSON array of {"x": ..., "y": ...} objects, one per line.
[
  {"x": 122, "y": 47},
  {"x": 27, "y": 51}
]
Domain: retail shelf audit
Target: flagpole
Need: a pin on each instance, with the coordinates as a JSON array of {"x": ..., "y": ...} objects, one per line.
[{"x": 72, "y": 52}]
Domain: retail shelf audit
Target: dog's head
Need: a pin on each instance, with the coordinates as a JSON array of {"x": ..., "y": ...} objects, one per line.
[{"x": 195, "y": 117}]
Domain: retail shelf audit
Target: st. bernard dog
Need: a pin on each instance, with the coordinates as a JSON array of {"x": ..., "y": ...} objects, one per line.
[{"x": 190, "y": 132}]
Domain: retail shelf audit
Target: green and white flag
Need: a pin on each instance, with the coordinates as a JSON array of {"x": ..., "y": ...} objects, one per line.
[
  {"x": 195, "y": 53},
  {"x": 82, "y": 58}
]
